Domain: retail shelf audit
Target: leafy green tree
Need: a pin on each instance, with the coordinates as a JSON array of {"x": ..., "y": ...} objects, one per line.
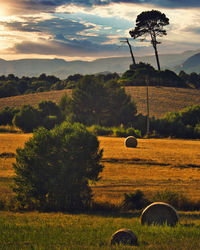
[
  {"x": 54, "y": 168},
  {"x": 89, "y": 101},
  {"x": 121, "y": 109},
  {"x": 7, "y": 115},
  {"x": 191, "y": 115},
  {"x": 65, "y": 104},
  {"x": 8, "y": 88},
  {"x": 27, "y": 119},
  {"x": 96, "y": 102},
  {"x": 50, "y": 114},
  {"x": 150, "y": 23}
]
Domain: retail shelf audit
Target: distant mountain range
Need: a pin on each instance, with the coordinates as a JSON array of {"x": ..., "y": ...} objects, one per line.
[
  {"x": 192, "y": 64},
  {"x": 188, "y": 61}
]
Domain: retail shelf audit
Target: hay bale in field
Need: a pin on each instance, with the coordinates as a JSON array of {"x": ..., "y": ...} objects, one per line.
[
  {"x": 125, "y": 237},
  {"x": 131, "y": 142},
  {"x": 159, "y": 213}
]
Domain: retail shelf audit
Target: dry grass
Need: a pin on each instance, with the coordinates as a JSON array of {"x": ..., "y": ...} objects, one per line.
[
  {"x": 162, "y": 99},
  {"x": 33, "y": 99},
  {"x": 155, "y": 165}
]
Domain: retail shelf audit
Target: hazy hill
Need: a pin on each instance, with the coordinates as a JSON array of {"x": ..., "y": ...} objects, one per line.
[
  {"x": 162, "y": 99},
  {"x": 62, "y": 68},
  {"x": 192, "y": 64}
]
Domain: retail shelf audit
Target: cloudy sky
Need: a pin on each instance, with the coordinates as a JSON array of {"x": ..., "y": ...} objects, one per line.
[{"x": 90, "y": 29}]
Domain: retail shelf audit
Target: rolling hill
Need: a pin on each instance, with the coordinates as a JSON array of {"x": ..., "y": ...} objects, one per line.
[
  {"x": 192, "y": 64},
  {"x": 62, "y": 68},
  {"x": 162, "y": 99}
]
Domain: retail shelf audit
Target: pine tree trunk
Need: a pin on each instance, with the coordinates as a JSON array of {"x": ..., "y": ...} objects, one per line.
[{"x": 156, "y": 54}]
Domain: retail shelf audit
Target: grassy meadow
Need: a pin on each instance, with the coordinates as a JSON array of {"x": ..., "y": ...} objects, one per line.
[
  {"x": 156, "y": 164},
  {"x": 162, "y": 99}
]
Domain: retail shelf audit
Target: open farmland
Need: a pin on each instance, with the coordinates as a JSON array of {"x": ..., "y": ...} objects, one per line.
[
  {"x": 156, "y": 164},
  {"x": 162, "y": 99}
]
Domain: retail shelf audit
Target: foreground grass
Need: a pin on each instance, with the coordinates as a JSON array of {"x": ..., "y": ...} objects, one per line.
[{"x": 71, "y": 231}]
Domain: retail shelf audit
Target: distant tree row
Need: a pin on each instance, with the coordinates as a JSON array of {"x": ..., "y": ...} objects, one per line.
[
  {"x": 182, "y": 124},
  {"x": 11, "y": 85},
  {"x": 140, "y": 73},
  {"x": 92, "y": 102},
  {"x": 137, "y": 75}
]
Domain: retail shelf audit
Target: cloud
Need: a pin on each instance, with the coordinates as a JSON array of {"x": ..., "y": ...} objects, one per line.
[
  {"x": 163, "y": 3},
  {"x": 72, "y": 48}
]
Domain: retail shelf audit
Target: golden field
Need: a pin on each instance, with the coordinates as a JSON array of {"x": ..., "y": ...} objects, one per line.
[
  {"x": 155, "y": 165},
  {"x": 162, "y": 99}
]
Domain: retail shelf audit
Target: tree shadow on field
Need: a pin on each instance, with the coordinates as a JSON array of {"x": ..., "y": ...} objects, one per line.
[{"x": 117, "y": 214}]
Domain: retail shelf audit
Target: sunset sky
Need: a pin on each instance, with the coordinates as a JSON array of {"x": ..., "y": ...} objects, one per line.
[{"x": 90, "y": 29}]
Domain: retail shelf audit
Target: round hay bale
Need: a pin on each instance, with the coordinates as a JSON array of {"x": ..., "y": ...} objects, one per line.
[
  {"x": 131, "y": 142},
  {"x": 125, "y": 237},
  {"x": 159, "y": 213}
]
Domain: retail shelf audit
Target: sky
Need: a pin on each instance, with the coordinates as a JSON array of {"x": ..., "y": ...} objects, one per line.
[{"x": 91, "y": 29}]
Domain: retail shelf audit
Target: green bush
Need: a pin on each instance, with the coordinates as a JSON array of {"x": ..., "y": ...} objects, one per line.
[
  {"x": 124, "y": 132},
  {"x": 119, "y": 132},
  {"x": 133, "y": 132},
  {"x": 54, "y": 167},
  {"x": 182, "y": 124},
  {"x": 100, "y": 130},
  {"x": 134, "y": 201},
  {"x": 7, "y": 115},
  {"x": 27, "y": 119},
  {"x": 177, "y": 200},
  {"x": 197, "y": 130}
]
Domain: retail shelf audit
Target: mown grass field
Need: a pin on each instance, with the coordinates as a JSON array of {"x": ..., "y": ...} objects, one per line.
[
  {"x": 162, "y": 99},
  {"x": 156, "y": 164}
]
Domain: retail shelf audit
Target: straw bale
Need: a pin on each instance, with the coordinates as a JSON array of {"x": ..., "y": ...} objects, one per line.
[
  {"x": 125, "y": 237},
  {"x": 159, "y": 213},
  {"x": 131, "y": 142}
]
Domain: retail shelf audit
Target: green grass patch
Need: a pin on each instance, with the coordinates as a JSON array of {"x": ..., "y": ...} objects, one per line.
[{"x": 82, "y": 231}]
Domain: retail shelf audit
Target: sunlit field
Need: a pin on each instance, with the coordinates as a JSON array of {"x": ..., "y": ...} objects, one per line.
[
  {"x": 155, "y": 165},
  {"x": 162, "y": 99}
]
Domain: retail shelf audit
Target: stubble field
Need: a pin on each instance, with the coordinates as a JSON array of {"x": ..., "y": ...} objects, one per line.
[
  {"x": 162, "y": 99},
  {"x": 154, "y": 165}
]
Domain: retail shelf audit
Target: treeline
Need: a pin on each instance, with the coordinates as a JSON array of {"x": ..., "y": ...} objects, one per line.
[
  {"x": 137, "y": 75},
  {"x": 12, "y": 85},
  {"x": 92, "y": 102},
  {"x": 141, "y": 74},
  {"x": 182, "y": 124}
]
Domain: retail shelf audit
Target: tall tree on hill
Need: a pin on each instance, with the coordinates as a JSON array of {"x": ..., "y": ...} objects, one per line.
[{"x": 150, "y": 23}]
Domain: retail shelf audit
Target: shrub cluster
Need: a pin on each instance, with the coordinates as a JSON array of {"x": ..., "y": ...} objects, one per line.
[
  {"x": 137, "y": 75},
  {"x": 12, "y": 85},
  {"x": 114, "y": 131},
  {"x": 137, "y": 200},
  {"x": 182, "y": 124},
  {"x": 46, "y": 114}
]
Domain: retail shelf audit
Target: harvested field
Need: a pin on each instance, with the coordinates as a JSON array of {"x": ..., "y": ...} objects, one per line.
[
  {"x": 162, "y": 99},
  {"x": 155, "y": 165},
  {"x": 33, "y": 99}
]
